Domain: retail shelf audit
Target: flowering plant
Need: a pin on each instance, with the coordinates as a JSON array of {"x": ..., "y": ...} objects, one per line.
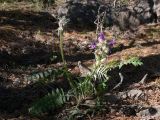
[
  {"x": 99, "y": 72},
  {"x": 102, "y": 48}
]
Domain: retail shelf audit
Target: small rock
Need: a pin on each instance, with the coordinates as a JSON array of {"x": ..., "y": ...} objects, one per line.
[
  {"x": 153, "y": 111},
  {"x": 16, "y": 81},
  {"x": 83, "y": 69},
  {"x": 133, "y": 94},
  {"x": 110, "y": 98}
]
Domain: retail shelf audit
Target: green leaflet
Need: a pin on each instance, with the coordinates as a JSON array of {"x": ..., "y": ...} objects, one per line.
[
  {"x": 51, "y": 101},
  {"x": 131, "y": 60},
  {"x": 47, "y": 75}
]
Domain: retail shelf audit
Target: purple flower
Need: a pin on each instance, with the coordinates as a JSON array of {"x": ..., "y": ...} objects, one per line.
[
  {"x": 93, "y": 45},
  {"x": 101, "y": 37},
  {"x": 111, "y": 42}
]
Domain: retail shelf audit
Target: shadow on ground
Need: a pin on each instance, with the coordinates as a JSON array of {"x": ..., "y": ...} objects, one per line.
[
  {"x": 31, "y": 21},
  {"x": 18, "y": 43},
  {"x": 151, "y": 65},
  {"x": 17, "y": 100}
]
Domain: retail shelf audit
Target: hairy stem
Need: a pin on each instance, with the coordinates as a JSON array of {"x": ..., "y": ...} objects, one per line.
[{"x": 61, "y": 48}]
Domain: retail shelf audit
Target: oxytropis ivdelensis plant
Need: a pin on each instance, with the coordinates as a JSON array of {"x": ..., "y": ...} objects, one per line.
[{"x": 98, "y": 75}]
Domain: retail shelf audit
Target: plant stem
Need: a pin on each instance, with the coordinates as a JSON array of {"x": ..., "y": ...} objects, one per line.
[
  {"x": 61, "y": 48},
  {"x": 63, "y": 59}
]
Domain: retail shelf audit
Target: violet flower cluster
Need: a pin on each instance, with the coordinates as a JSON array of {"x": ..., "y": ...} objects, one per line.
[{"x": 102, "y": 48}]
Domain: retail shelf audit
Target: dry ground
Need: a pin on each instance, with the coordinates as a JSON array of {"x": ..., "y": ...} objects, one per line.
[{"x": 28, "y": 39}]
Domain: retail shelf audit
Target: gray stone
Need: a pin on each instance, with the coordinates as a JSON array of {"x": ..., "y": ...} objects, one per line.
[
  {"x": 90, "y": 103},
  {"x": 84, "y": 70},
  {"x": 156, "y": 9},
  {"x": 134, "y": 94},
  {"x": 153, "y": 112},
  {"x": 130, "y": 17}
]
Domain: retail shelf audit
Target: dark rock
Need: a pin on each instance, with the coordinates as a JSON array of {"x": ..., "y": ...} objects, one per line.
[
  {"x": 112, "y": 99},
  {"x": 128, "y": 111},
  {"x": 82, "y": 13},
  {"x": 79, "y": 13}
]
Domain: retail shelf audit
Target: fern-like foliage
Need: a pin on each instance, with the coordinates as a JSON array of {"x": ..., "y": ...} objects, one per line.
[
  {"x": 135, "y": 61},
  {"x": 100, "y": 73},
  {"x": 52, "y": 101},
  {"x": 84, "y": 87},
  {"x": 48, "y": 75}
]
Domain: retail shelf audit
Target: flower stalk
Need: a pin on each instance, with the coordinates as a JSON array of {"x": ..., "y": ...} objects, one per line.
[{"x": 62, "y": 23}]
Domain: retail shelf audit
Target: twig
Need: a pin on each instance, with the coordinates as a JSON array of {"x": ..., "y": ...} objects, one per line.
[
  {"x": 114, "y": 3},
  {"x": 119, "y": 84},
  {"x": 143, "y": 79}
]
